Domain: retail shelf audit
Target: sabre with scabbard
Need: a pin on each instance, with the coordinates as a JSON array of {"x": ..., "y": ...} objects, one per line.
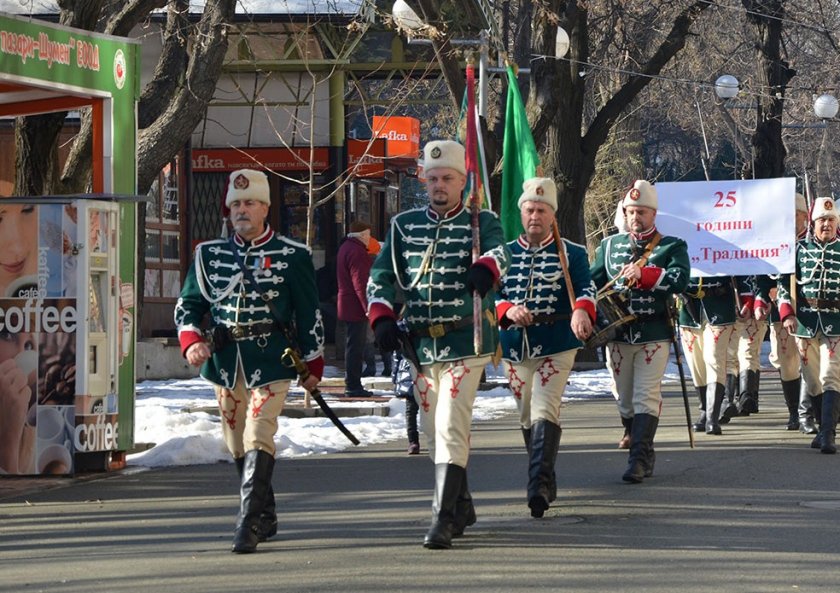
[{"x": 291, "y": 358}]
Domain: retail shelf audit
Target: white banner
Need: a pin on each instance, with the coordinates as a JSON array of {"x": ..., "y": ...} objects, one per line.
[{"x": 732, "y": 227}]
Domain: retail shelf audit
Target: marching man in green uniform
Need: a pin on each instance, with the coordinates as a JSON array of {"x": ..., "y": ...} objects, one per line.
[
  {"x": 707, "y": 322},
  {"x": 648, "y": 269},
  {"x": 813, "y": 314},
  {"x": 427, "y": 254},
  {"x": 541, "y": 330},
  {"x": 784, "y": 354},
  {"x": 248, "y": 340}
]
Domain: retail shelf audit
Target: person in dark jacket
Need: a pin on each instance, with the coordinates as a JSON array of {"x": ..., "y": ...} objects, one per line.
[{"x": 352, "y": 271}]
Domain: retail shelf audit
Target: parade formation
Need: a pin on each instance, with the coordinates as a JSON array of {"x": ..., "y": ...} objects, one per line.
[{"x": 540, "y": 300}]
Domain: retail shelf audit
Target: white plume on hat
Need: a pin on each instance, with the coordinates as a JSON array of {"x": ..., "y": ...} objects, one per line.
[
  {"x": 539, "y": 189},
  {"x": 801, "y": 205},
  {"x": 248, "y": 184},
  {"x": 824, "y": 208},
  {"x": 444, "y": 154},
  {"x": 619, "y": 221},
  {"x": 641, "y": 194}
]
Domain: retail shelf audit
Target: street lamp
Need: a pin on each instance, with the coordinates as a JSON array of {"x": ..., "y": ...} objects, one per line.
[
  {"x": 726, "y": 86},
  {"x": 561, "y": 43},
  {"x": 405, "y": 17},
  {"x": 826, "y": 106}
]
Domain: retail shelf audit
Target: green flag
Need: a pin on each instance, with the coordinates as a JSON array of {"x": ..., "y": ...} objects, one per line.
[{"x": 519, "y": 158}]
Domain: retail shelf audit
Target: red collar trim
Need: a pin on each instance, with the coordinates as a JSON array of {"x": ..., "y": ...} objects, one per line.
[
  {"x": 645, "y": 235},
  {"x": 523, "y": 241},
  {"x": 431, "y": 213},
  {"x": 264, "y": 237}
]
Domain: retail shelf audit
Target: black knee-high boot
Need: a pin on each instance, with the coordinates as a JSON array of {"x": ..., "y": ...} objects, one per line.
[
  {"x": 464, "y": 509},
  {"x": 268, "y": 518},
  {"x": 545, "y": 440},
  {"x": 828, "y": 424},
  {"x": 257, "y": 468},
  {"x": 449, "y": 480},
  {"x": 806, "y": 410},
  {"x": 641, "y": 447},
  {"x": 748, "y": 402},
  {"x": 700, "y": 425},
  {"x": 713, "y": 402},
  {"x": 790, "y": 391},
  {"x": 731, "y": 396}
]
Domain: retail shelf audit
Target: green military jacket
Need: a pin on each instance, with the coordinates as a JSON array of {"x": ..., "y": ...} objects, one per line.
[
  {"x": 665, "y": 274},
  {"x": 215, "y": 284},
  {"x": 766, "y": 284},
  {"x": 712, "y": 299},
  {"x": 426, "y": 257},
  {"x": 818, "y": 294}
]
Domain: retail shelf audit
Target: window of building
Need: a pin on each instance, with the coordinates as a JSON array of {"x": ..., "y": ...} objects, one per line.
[{"x": 163, "y": 239}]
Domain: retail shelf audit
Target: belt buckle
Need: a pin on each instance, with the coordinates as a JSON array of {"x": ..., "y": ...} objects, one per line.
[
  {"x": 437, "y": 331},
  {"x": 238, "y": 332}
]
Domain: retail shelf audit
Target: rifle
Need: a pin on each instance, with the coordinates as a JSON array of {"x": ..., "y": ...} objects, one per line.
[{"x": 292, "y": 359}]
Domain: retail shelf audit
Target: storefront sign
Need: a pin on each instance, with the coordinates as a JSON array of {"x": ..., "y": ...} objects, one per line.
[
  {"x": 365, "y": 158},
  {"x": 401, "y": 134},
  {"x": 61, "y": 55},
  {"x": 207, "y": 160}
]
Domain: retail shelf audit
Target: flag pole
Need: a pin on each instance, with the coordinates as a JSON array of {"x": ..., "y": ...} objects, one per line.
[{"x": 474, "y": 202}]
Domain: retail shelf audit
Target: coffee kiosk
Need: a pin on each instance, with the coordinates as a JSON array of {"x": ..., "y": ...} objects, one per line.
[{"x": 68, "y": 263}]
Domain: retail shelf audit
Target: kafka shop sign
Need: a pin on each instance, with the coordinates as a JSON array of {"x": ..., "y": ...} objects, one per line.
[
  {"x": 61, "y": 55},
  {"x": 732, "y": 227}
]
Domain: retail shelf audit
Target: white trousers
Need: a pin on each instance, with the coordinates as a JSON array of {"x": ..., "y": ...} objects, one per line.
[
  {"x": 445, "y": 392},
  {"x": 636, "y": 371},
  {"x": 705, "y": 351},
  {"x": 249, "y": 416},
  {"x": 538, "y": 385}
]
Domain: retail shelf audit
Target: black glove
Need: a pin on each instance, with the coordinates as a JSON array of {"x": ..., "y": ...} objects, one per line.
[
  {"x": 387, "y": 333},
  {"x": 479, "y": 278}
]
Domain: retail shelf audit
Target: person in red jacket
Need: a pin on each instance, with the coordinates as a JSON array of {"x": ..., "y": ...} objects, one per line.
[{"x": 352, "y": 270}]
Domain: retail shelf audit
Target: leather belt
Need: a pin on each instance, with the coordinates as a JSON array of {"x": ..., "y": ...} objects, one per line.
[
  {"x": 243, "y": 332},
  {"x": 440, "y": 329},
  {"x": 550, "y": 318},
  {"x": 821, "y": 303}
]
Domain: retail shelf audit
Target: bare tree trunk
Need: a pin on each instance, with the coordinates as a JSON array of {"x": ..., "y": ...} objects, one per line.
[
  {"x": 36, "y": 153},
  {"x": 169, "y": 132},
  {"x": 773, "y": 74}
]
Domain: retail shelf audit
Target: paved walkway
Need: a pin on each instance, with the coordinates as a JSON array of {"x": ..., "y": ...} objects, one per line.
[{"x": 754, "y": 510}]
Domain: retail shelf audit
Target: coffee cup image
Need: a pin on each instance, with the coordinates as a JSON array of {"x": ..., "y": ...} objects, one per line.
[
  {"x": 51, "y": 425},
  {"x": 55, "y": 460},
  {"x": 23, "y": 287},
  {"x": 27, "y": 361}
]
